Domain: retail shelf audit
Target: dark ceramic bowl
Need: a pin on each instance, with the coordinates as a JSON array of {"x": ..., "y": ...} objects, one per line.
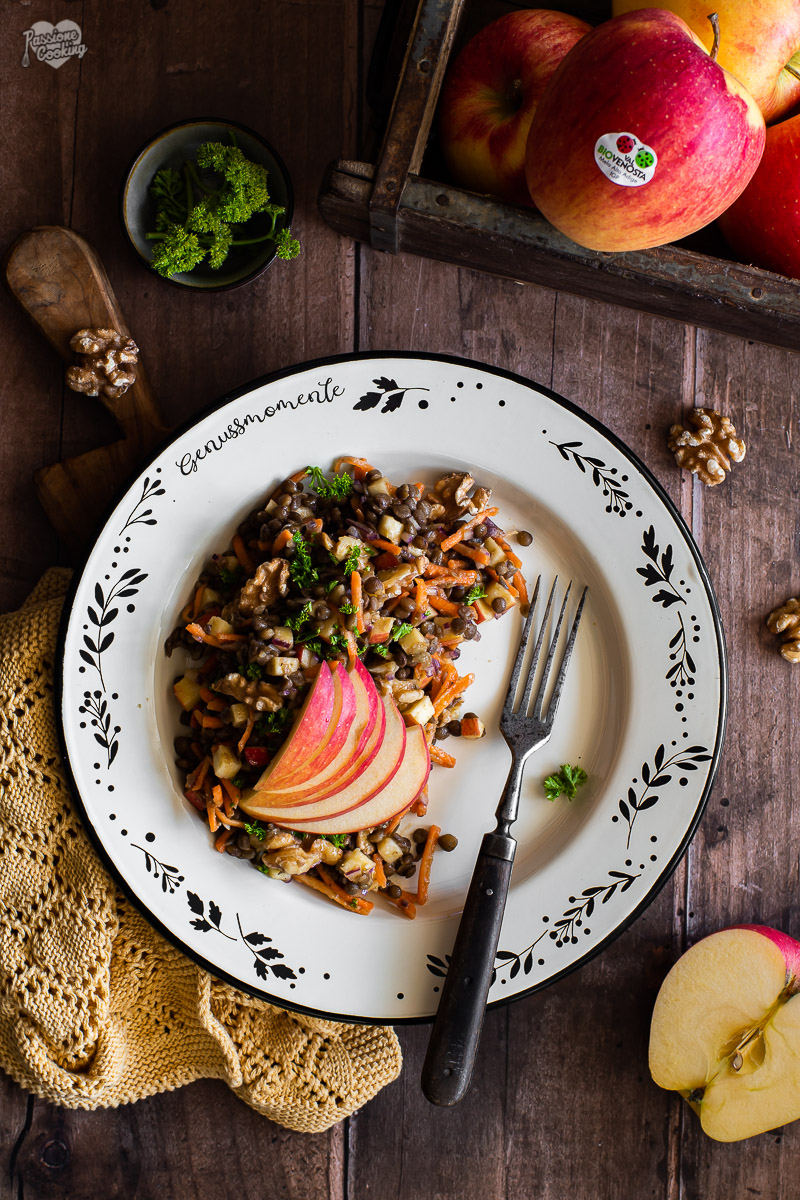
[{"x": 171, "y": 148}]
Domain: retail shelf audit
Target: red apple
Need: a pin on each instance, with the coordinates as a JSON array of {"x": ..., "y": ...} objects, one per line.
[
  {"x": 726, "y": 1031},
  {"x": 490, "y": 95},
  {"x": 401, "y": 791},
  {"x": 312, "y": 743},
  {"x": 757, "y": 42},
  {"x": 763, "y": 225},
  {"x": 362, "y": 787},
  {"x": 697, "y": 136},
  {"x": 360, "y": 747}
]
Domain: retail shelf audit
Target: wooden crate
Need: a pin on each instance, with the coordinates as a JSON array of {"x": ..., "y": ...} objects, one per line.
[{"x": 402, "y": 202}]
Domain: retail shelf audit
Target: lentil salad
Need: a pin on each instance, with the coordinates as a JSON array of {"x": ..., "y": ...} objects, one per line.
[{"x": 342, "y": 566}]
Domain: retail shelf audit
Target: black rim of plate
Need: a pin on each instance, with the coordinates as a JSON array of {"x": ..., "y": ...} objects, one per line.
[{"x": 660, "y": 493}]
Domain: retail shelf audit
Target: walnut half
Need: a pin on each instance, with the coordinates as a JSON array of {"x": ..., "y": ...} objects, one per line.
[
  {"x": 104, "y": 361},
  {"x": 785, "y": 620},
  {"x": 709, "y": 451},
  {"x": 262, "y": 697}
]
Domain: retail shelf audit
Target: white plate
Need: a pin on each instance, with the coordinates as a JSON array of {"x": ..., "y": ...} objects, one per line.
[{"x": 643, "y": 709}]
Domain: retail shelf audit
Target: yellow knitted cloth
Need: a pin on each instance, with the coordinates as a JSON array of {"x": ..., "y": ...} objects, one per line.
[{"x": 96, "y": 1009}]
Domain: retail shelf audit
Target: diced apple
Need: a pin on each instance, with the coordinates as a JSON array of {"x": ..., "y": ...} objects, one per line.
[
  {"x": 484, "y": 611},
  {"x": 411, "y": 640},
  {"x": 496, "y": 553},
  {"x": 225, "y": 763},
  {"x": 240, "y": 715},
  {"x": 496, "y": 591},
  {"x": 380, "y": 487},
  {"x": 381, "y": 630},
  {"x": 216, "y": 626},
  {"x": 389, "y": 850},
  {"x": 283, "y": 637},
  {"x": 357, "y": 867},
  {"x": 208, "y": 598},
  {"x": 394, "y": 576},
  {"x": 390, "y": 528},
  {"x": 472, "y": 727},
  {"x": 306, "y": 657},
  {"x": 407, "y": 698},
  {"x": 420, "y": 711},
  {"x": 344, "y": 547},
  {"x": 187, "y": 691},
  {"x": 282, "y": 665}
]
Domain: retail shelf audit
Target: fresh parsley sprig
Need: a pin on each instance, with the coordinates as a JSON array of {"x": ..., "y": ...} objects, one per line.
[
  {"x": 301, "y": 568},
  {"x": 565, "y": 782},
  {"x": 476, "y": 592},
  {"x": 338, "y": 487}
]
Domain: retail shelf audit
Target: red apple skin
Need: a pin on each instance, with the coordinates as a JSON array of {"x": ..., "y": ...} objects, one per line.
[
  {"x": 643, "y": 73},
  {"x": 763, "y": 225},
  {"x": 757, "y": 39},
  {"x": 491, "y": 93},
  {"x": 312, "y": 745},
  {"x": 788, "y": 946},
  {"x": 308, "y": 733}
]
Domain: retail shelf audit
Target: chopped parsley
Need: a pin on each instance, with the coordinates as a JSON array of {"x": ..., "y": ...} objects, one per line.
[
  {"x": 338, "y": 487},
  {"x": 254, "y": 671},
  {"x": 274, "y": 722},
  {"x": 239, "y": 782},
  {"x": 338, "y": 640},
  {"x": 255, "y": 830},
  {"x": 336, "y": 839},
  {"x": 301, "y": 569},
  {"x": 566, "y": 781},
  {"x": 353, "y": 560},
  {"x": 383, "y": 651},
  {"x": 347, "y": 608},
  {"x": 228, "y": 575},
  {"x": 476, "y": 592},
  {"x": 401, "y": 631},
  {"x": 332, "y": 583},
  {"x": 300, "y": 618}
]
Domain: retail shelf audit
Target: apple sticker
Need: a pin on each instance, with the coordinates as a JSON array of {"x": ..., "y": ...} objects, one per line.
[{"x": 625, "y": 159}]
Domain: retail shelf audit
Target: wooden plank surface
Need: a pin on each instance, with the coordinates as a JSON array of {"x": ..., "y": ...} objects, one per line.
[{"x": 562, "y": 1104}]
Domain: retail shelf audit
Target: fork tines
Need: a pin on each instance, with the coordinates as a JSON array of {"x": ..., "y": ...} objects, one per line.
[{"x": 522, "y": 709}]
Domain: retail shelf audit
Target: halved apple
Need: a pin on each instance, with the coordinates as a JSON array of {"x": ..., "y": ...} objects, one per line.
[
  {"x": 312, "y": 744},
  {"x": 398, "y": 794},
  {"x": 726, "y": 1031},
  {"x": 359, "y": 748},
  {"x": 367, "y": 782}
]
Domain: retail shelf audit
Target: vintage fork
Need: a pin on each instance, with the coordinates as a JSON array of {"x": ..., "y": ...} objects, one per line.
[{"x": 456, "y": 1032}]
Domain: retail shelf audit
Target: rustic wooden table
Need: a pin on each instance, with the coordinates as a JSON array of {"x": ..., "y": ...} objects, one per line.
[{"x": 562, "y": 1103}]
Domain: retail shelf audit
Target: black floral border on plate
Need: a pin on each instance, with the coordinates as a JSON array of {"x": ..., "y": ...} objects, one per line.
[{"x": 604, "y": 480}]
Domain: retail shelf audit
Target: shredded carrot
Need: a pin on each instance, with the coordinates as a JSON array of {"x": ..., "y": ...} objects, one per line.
[
  {"x": 420, "y": 600},
  {"x": 241, "y": 552},
  {"x": 356, "y": 904},
  {"x": 433, "y": 569},
  {"x": 389, "y": 547},
  {"x": 352, "y": 647},
  {"x": 441, "y": 757},
  {"x": 520, "y": 585},
  {"x": 448, "y": 693},
  {"x": 510, "y": 555},
  {"x": 218, "y": 642},
  {"x": 216, "y": 705},
  {"x": 198, "y": 600},
  {"x": 405, "y": 902},
  {"x": 212, "y": 813},
  {"x": 463, "y": 532},
  {"x": 358, "y": 602},
  {"x": 225, "y": 820},
  {"x": 207, "y": 694},
  {"x": 395, "y": 821},
  {"x": 210, "y": 722},
  {"x": 284, "y": 537},
  {"x": 233, "y": 792},
  {"x": 420, "y": 806},
  {"x": 222, "y": 839},
  {"x": 195, "y": 780},
  {"x": 448, "y": 607},
  {"x": 326, "y": 877},
  {"x": 243, "y": 740},
  {"x": 424, "y": 872},
  {"x": 380, "y": 874},
  {"x": 464, "y": 578},
  {"x": 360, "y": 465},
  {"x": 478, "y": 556}
]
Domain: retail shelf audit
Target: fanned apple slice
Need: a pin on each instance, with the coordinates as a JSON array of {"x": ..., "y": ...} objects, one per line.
[
  {"x": 359, "y": 748},
  {"x": 368, "y": 781},
  {"x": 398, "y": 794},
  {"x": 311, "y": 724},
  {"x": 313, "y": 744},
  {"x": 726, "y": 1031}
]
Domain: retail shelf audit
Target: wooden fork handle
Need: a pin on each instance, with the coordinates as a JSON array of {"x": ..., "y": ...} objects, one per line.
[{"x": 456, "y": 1033}]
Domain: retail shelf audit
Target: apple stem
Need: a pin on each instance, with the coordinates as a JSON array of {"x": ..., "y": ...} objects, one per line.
[
  {"x": 792, "y": 71},
  {"x": 714, "y": 19}
]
